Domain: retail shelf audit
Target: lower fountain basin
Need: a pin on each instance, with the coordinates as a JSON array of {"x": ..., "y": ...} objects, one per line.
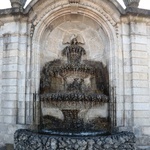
[
  {"x": 29, "y": 140},
  {"x": 74, "y": 133}
]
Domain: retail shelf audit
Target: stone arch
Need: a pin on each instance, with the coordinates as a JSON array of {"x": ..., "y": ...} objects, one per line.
[{"x": 58, "y": 13}]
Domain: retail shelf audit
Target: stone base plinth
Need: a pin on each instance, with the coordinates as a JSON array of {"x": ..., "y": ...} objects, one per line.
[{"x": 28, "y": 140}]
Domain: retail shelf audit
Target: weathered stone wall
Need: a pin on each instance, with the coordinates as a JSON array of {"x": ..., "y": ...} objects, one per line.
[
  {"x": 31, "y": 37},
  {"x": 135, "y": 36},
  {"x": 13, "y": 49}
]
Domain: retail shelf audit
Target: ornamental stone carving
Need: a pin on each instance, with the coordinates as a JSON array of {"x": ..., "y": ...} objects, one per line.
[
  {"x": 17, "y": 3},
  {"x": 131, "y": 3}
]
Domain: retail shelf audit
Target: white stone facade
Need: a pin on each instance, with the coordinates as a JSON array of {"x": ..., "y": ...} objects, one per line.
[{"x": 119, "y": 38}]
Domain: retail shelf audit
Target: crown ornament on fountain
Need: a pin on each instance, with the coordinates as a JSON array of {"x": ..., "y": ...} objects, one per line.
[
  {"x": 17, "y": 3},
  {"x": 74, "y": 52},
  {"x": 131, "y": 3}
]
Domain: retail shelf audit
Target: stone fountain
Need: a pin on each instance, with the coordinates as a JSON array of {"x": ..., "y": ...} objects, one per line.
[{"x": 75, "y": 110}]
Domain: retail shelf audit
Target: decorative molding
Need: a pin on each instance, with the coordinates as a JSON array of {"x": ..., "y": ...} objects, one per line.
[
  {"x": 85, "y": 5},
  {"x": 65, "y": 5},
  {"x": 74, "y": 1},
  {"x": 74, "y": 8}
]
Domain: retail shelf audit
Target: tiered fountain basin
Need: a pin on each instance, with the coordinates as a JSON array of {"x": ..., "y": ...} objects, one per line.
[
  {"x": 74, "y": 101},
  {"x": 75, "y": 108}
]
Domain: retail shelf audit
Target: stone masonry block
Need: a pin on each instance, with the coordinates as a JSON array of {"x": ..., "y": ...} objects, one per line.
[
  {"x": 12, "y": 67},
  {"x": 140, "y": 69},
  {"x": 21, "y": 105},
  {"x": 1, "y": 119},
  {"x": 139, "y": 54},
  {"x": 141, "y": 114},
  {"x": 141, "y": 98},
  {"x": 140, "y": 84},
  {"x": 126, "y": 55},
  {"x": 22, "y": 61},
  {"x": 9, "y": 82},
  {"x": 3, "y": 129},
  {"x": 146, "y": 130},
  {"x": 21, "y": 38},
  {"x": 10, "y": 74},
  {"x": 142, "y": 106},
  {"x": 9, "y": 89},
  {"x": 141, "y": 121},
  {"x": 10, "y": 97},
  {"x": 140, "y": 39},
  {"x": 23, "y": 47},
  {"x": 127, "y": 69},
  {"x": 11, "y": 25},
  {"x": 9, "y": 104},
  {"x": 128, "y": 106},
  {"x": 9, "y": 111},
  {"x": 128, "y": 98},
  {"x": 139, "y": 61},
  {"x": 127, "y": 91},
  {"x": 10, "y": 60},
  {"x": 127, "y": 62},
  {"x": 139, "y": 28},
  {"x": 140, "y": 91},
  {"x": 21, "y": 68},
  {"x": 21, "y": 120},
  {"x": 139, "y": 47},
  {"x": 21, "y": 111},
  {"x": 9, "y": 138},
  {"x": 127, "y": 84},
  {"x": 126, "y": 39},
  {"x": 10, "y": 53},
  {"x": 140, "y": 76},
  {"x": 12, "y": 46},
  {"x": 125, "y": 29},
  {"x": 10, "y": 119}
]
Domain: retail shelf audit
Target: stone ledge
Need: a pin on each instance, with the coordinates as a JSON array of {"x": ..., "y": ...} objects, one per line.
[
  {"x": 27, "y": 140},
  {"x": 13, "y": 11},
  {"x": 138, "y": 11}
]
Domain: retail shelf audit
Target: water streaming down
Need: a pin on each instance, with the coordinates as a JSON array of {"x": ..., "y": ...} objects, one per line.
[{"x": 74, "y": 95}]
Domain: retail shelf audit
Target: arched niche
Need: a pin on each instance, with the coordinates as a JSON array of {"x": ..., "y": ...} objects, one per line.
[
  {"x": 94, "y": 37},
  {"x": 99, "y": 35},
  {"x": 97, "y": 26}
]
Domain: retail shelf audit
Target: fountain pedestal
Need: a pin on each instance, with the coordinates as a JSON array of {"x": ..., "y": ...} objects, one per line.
[{"x": 29, "y": 140}]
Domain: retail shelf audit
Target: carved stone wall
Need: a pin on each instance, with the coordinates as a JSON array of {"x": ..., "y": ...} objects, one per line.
[{"x": 29, "y": 38}]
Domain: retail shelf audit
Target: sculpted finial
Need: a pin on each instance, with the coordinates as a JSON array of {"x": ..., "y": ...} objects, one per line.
[
  {"x": 17, "y": 3},
  {"x": 73, "y": 39},
  {"x": 131, "y": 3}
]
